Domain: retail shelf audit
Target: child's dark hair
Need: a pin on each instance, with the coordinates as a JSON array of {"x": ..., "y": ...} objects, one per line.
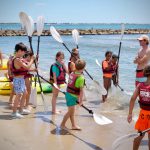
[
  {"x": 59, "y": 54},
  {"x": 107, "y": 53},
  {"x": 80, "y": 64},
  {"x": 114, "y": 56},
  {"x": 28, "y": 53},
  {"x": 147, "y": 71},
  {"x": 20, "y": 46}
]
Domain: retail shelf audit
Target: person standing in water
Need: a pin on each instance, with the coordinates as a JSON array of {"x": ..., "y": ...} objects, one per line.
[
  {"x": 142, "y": 58},
  {"x": 107, "y": 73},
  {"x": 74, "y": 57},
  {"x": 143, "y": 91}
]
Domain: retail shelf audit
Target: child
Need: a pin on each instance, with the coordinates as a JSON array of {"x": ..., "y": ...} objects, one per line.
[
  {"x": 74, "y": 93},
  {"x": 107, "y": 73},
  {"x": 27, "y": 57},
  {"x": 115, "y": 74},
  {"x": 58, "y": 71},
  {"x": 73, "y": 58},
  {"x": 19, "y": 69},
  {"x": 143, "y": 91}
]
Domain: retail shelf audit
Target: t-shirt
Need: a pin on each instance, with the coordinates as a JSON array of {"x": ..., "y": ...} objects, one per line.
[
  {"x": 55, "y": 69},
  {"x": 79, "y": 83}
]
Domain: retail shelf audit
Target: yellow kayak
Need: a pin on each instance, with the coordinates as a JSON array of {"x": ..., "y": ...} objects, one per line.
[
  {"x": 5, "y": 87},
  {"x": 4, "y": 66}
]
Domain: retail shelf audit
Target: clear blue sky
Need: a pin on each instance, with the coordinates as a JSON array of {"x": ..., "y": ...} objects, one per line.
[{"x": 77, "y": 11}]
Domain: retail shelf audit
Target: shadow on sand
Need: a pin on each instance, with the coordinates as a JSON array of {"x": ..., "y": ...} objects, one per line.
[{"x": 59, "y": 131}]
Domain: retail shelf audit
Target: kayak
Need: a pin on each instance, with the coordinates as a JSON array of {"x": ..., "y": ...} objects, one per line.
[
  {"x": 4, "y": 66},
  {"x": 5, "y": 88}
]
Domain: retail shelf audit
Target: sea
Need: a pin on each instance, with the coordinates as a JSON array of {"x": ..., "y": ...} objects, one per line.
[{"x": 91, "y": 47}]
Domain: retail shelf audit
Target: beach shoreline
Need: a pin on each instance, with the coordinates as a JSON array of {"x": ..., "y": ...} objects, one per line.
[
  {"x": 81, "y": 32},
  {"x": 39, "y": 130}
]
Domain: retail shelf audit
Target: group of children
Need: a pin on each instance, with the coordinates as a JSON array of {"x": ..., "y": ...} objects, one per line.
[{"x": 20, "y": 64}]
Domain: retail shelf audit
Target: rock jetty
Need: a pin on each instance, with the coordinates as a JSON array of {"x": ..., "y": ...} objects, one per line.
[{"x": 82, "y": 32}]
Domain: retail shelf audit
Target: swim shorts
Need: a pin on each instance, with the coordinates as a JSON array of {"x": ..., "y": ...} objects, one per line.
[
  {"x": 70, "y": 99},
  {"x": 19, "y": 85},
  {"x": 139, "y": 77},
  {"x": 143, "y": 121}
]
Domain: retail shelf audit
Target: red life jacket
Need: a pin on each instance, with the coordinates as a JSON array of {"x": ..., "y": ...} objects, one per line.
[
  {"x": 62, "y": 74},
  {"x": 144, "y": 96},
  {"x": 71, "y": 84},
  {"x": 69, "y": 68},
  {"x": 20, "y": 71},
  {"x": 111, "y": 70},
  {"x": 114, "y": 68}
]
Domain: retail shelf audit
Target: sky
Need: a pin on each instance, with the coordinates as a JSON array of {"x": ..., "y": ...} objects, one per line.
[{"x": 78, "y": 11}]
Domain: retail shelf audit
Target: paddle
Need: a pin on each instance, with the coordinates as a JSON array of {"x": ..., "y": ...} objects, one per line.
[
  {"x": 57, "y": 37},
  {"x": 75, "y": 35},
  {"x": 122, "y": 33},
  {"x": 99, "y": 119},
  {"x": 40, "y": 27},
  {"x": 121, "y": 139},
  {"x": 97, "y": 62},
  {"x": 29, "y": 26}
]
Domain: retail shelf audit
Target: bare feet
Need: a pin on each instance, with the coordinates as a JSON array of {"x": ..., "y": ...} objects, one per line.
[
  {"x": 56, "y": 112},
  {"x": 64, "y": 127},
  {"x": 76, "y": 128}
]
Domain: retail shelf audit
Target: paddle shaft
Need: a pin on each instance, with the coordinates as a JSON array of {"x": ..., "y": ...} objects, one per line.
[
  {"x": 90, "y": 111},
  {"x": 37, "y": 54},
  {"x": 30, "y": 41},
  {"x": 75, "y": 57}
]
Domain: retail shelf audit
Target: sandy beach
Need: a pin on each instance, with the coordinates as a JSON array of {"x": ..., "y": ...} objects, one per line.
[{"x": 40, "y": 130}]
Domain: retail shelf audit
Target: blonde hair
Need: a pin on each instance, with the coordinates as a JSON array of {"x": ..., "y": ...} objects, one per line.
[{"x": 80, "y": 64}]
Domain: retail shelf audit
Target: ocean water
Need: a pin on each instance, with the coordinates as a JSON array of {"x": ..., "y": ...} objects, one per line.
[
  {"x": 91, "y": 47},
  {"x": 17, "y": 26}
]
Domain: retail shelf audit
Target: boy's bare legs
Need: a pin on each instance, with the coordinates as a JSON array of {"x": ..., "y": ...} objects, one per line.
[
  {"x": 28, "y": 86},
  {"x": 11, "y": 96},
  {"x": 16, "y": 102},
  {"x": 66, "y": 117},
  {"x": 136, "y": 142},
  {"x": 54, "y": 97},
  {"x": 72, "y": 119},
  {"x": 22, "y": 101}
]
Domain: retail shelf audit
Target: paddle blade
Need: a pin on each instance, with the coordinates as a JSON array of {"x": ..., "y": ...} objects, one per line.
[
  {"x": 101, "y": 120},
  {"x": 27, "y": 23},
  {"x": 122, "y": 139},
  {"x": 122, "y": 31},
  {"x": 75, "y": 35},
  {"x": 33, "y": 97},
  {"x": 40, "y": 25},
  {"x": 55, "y": 34},
  {"x": 98, "y": 63},
  {"x": 31, "y": 27}
]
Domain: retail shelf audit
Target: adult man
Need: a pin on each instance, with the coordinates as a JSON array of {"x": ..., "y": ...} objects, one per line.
[{"x": 142, "y": 58}]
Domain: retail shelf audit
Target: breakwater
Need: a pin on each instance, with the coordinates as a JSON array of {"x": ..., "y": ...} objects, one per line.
[{"x": 82, "y": 32}]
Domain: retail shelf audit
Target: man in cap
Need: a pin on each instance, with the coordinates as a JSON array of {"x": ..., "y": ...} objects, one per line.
[{"x": 142, "y": 59}]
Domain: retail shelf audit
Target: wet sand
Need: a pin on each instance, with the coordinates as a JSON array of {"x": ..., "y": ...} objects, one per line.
[{"x": 39, "y": 130}]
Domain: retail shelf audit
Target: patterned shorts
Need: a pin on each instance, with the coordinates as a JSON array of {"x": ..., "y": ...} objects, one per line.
[{"x": 19, "y": 85}]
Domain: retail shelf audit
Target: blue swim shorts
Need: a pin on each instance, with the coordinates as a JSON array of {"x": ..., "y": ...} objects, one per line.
[
  {"x": 70, "y": 99},
  {"x": 19, "y": 85}
]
